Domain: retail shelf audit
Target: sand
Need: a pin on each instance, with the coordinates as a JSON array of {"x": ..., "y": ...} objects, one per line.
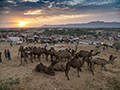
[{"x": 31, "y": 80}]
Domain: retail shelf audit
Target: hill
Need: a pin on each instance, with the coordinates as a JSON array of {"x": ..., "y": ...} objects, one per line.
[{"x": 94, "y": 24}]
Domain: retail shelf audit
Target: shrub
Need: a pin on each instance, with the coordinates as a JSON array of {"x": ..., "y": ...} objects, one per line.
[{"x": 7, "y": 84}]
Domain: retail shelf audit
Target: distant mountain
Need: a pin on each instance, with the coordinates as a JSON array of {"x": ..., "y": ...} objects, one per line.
[{"x": 94, "y": 24}]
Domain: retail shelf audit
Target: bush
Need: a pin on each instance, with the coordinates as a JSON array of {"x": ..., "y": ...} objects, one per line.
[{"x": 7, "y": 84}]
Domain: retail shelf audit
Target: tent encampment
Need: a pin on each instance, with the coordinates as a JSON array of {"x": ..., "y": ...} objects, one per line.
[{"x": 13, "y": 39}]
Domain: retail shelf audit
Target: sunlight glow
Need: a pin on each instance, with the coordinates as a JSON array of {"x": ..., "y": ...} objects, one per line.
[{"x": 22, "y": 23}]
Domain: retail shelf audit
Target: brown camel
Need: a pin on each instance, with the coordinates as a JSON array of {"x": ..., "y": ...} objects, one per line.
[
  {"x": 40, "y": 67},
  {"x": 60, "y": 54},
  {"x": 102, "y": 62},
  {"x": 87, "y": 57},
  {"x": 58, "y": 66},
  {"x": 20, "y": 49},
  {"x": 35, "y": 51},
  {"x": 64, "y": 54},
  {"x": 98, "y": 46},
  {"x": 24, "y": 54},
  {"x": 75, "y": 63},
  {"x": 86, "y": 54}
]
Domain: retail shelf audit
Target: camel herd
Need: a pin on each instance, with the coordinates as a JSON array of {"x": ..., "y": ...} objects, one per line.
[{"x": 62, "y": 60}]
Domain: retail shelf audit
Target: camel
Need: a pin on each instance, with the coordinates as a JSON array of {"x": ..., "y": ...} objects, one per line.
[
  {"x": 58, "y": 66},
  {"x": 64, "y": 54},
  {"x": 75, "y": 63},
  {"x": 46, "y": 52},
  {"x": 87, "y": 57},
  {"x": 74, "y": 51},
  {"x": 20, "y": 49},
  {"x": 86, "y": 54},
  {"x": 60, "y": 54},
  {"x": 24, "y": 54},
  {"x": 40, "y": 67},
  {"x": 98, "y": 46},
  {"x": 35, "y": 51},
  {"x": 102, "y": 62},
  {"x": 38, "y": 51}
]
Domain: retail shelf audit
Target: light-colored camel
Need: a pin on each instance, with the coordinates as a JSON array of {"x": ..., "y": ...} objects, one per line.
[{"x": 102, "y": 62}]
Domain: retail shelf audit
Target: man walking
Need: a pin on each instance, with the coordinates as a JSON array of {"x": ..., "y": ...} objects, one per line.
[
  {"x": 110, "y": 58},
  {"x": 8, "y": 54}
]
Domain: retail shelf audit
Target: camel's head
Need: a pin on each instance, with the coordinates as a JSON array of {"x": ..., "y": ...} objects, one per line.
[
  {"x": 41, "y": 64},
  {"x": 91, "y": 50},
  {"x": 115, "y": 57}
]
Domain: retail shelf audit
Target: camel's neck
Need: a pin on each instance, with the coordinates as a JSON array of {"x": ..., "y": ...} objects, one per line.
[{"x": 95, "y": 54}]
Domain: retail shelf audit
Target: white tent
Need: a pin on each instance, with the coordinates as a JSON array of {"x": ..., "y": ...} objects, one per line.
[
  {"x": 13, "y": 39},
  {"x": 35, "y": 36}
]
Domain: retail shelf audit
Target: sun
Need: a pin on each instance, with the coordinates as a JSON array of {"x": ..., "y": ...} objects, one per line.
[{"x": 22, "y": 23}]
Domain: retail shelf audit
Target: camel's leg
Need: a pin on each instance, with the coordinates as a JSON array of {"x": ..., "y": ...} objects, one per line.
[
  {"x": 38, "y": 56},
  {"x": 88, "y": 65},
  {"x": 78, "y": 72},
  {"x": 21, "y": 60},
  {"x": 105, "y": 68},
  {"x": 101, "y": 68},
  {"x": 51, "y": 57},
  {"x": 66, "y": 71},
  {"x": 91, "y": 68},
  {"x": 31, "y": 58},
  {"x": 46, "y": 57},
  {"x": 80, "y": 69},
  {"x": 42, "y": 55},
  {"x": 34, "y": 56},
  {"x": 25, "y": 59},
  {"x": 18, "y": 54}
]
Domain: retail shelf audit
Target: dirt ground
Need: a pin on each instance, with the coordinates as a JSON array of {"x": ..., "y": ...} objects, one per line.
[{"x": 31, "y": 80}]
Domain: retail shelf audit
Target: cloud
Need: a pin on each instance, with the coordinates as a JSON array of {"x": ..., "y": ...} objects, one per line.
[
  {"x": 10, "y": 9},
  {"x": 8, "y": 22}
]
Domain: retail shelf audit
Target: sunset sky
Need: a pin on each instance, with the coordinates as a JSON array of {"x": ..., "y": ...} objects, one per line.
[{"x": 35, "y": 13}]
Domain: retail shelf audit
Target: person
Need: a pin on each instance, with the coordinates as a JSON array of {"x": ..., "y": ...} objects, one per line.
[
  {"x": 61, "y": 48},
  {"x": 110, "y": 58},
  {"x": 0, "y": 57},
  {"x": 117, "y": 49},
  {"x": 8, "y": 54},
  {"x": 99, "y": 53},
  {"x": 5, "y": 52},
  {"x": 11, "y": 43},
  {"x": 69, "y": 48},
  {"x": 103, "y": 48},
  {"x": 76, "y": 46},
  {"x": 34, "y": 45}
]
